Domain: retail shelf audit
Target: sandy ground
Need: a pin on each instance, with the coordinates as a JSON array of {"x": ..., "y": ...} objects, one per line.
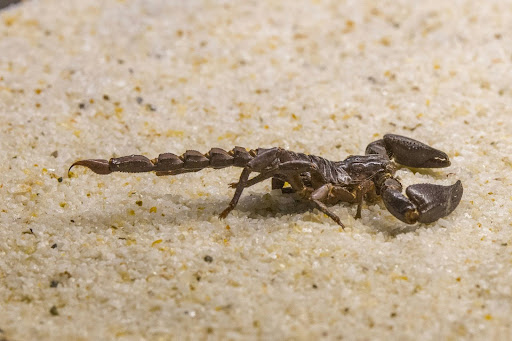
[{"x": 135, "y": 256}]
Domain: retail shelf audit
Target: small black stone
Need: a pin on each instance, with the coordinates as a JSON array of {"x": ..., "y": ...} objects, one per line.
[
  {"x": 54, "y": 311},
  {"x": 208, "y": 259}
]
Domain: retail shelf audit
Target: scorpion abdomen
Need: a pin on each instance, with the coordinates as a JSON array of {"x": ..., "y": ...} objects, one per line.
[
  {"x": 192, "y": 160},
  {"x": 330, "y": 170}
]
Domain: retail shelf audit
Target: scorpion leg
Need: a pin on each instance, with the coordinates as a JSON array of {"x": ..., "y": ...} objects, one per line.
[
  {"x": 364, "y": 187},
  {"x": 287, "y": 168},
  {"x": 253, "y": 181},
  {"x": 322, "y": 194},
  {"x": 268, "y": 158},
  {"x": 409, "y": 152},
  {"x": 276, "y": 182},
  {"x": 262, "y": 161},
  {"x": 332, "y": 194},
  {"x": 424, "y": 203},
  {"x": 321, "y": 206},
  {"x": 268, "y": 163},
  {"x": 238, "y": 192}
]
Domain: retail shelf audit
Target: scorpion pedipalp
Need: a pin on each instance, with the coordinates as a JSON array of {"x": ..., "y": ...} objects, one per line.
[
  {"x": 377, "y": 147},
  {"x": 412, "y": 153},
  {"x": 424, "y": 203},
  {"x": 434, "y": 201}
]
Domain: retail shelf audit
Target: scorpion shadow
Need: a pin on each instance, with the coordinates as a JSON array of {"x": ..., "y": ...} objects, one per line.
[{"x": 177, "y": 209}]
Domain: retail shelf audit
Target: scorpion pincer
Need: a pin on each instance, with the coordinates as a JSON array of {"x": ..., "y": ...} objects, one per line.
[{"x": 316, "y": 179}]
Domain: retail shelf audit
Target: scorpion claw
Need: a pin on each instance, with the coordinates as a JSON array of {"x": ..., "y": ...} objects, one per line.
[
  {"x": 424, "y": 203},
  {"x": 434, "y": 201},
  {"x": 410, "y": 153},
  {"x": 98, "y": 166},
  {"x": 377, "y": 147}
]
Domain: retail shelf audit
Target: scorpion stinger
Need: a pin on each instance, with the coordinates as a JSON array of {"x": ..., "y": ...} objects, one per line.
[{"x": 316, "y": 179}]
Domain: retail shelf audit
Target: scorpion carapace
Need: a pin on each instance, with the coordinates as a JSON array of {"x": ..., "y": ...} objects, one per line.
[{"x": 316, "y": 179}]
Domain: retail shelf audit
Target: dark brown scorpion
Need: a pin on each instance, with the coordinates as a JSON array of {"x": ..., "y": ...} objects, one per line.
[{"x": 317, "y": 179}]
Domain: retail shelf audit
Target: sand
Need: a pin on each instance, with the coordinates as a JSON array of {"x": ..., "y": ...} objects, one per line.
[{"x": 136, "y": 256}]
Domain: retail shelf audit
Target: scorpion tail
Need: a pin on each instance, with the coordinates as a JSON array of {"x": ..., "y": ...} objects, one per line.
[
  {"x": 171, "y": 164},
  {"x": 98, "y": 166},
  {"x": 424, "y": 203}
]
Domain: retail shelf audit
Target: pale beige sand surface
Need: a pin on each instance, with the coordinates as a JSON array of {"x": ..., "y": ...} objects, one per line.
[{"x": 135, "y": 256}]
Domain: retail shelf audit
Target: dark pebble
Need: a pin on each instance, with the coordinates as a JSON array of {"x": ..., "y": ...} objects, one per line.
[{"x": 54, "y": 311}]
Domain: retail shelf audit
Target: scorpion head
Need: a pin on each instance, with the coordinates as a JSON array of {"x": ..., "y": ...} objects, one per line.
[{"x": 365, "y": 167}]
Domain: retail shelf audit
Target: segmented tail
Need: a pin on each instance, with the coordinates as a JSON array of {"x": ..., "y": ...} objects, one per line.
[{"x": 171, "y": 164}]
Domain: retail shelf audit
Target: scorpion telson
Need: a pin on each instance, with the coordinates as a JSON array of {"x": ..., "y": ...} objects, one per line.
[{"x": 314, "y": 178}]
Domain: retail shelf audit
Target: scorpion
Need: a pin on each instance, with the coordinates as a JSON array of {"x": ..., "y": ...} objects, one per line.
[{"x": 321, "y": 181}]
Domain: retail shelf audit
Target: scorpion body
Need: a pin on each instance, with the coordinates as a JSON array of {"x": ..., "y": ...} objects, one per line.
[{"x": 314, "y": 178}]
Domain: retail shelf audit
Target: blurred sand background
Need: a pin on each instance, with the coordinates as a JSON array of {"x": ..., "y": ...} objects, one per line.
[{"x": 135, "y": 256}]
